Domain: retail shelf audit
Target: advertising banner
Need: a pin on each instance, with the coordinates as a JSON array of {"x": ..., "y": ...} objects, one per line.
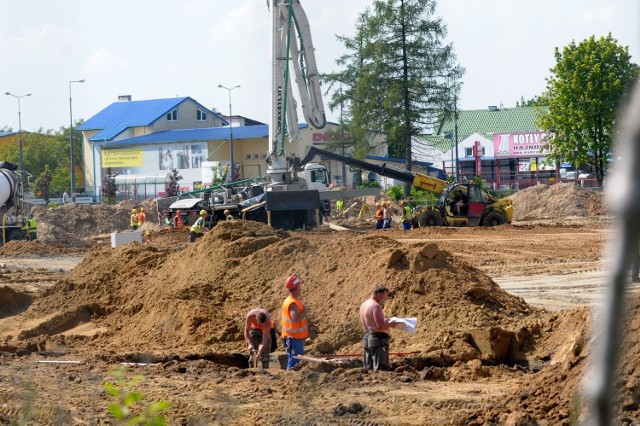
[
  {"x": 520, "y": 144},
  {"x": 152, "y": 160}
]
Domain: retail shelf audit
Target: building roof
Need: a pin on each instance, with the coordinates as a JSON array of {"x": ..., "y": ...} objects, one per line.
[
  {"x": 5, "y": 134},
  {"x": 196, "y": 135},
  {"x": 490, "y": 121},
  {"x": 119, "y": 116}
]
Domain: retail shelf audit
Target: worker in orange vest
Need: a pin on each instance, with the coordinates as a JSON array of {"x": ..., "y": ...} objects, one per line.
[
  {"x": 141, "y": 216},
  {"x": 177, "y": 220},
  {"x": 258, "y": 328},
  {"x": 295, "y": 329},
  {"x": 379, "y": 215}
]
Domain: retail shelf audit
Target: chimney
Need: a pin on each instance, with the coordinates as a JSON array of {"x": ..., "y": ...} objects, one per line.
[
  {"x": 493, "y": 108},
  {"x": 124, "y": 98}
]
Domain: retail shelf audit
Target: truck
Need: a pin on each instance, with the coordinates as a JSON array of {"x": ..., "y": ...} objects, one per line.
[
  {"x": 11, "y": 203},
  {"x": 288, "y": 198},
  {"x": 482, "y": 208}
]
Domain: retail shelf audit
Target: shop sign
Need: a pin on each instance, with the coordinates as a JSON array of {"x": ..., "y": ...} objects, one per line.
[{"x": 520, "y": 144}]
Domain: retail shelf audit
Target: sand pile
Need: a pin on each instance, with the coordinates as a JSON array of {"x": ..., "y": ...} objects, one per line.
[
  {"x": 151, "y": 298},
  {"x": 78, "y": 224},
  {"x": 557, "y": 201}
]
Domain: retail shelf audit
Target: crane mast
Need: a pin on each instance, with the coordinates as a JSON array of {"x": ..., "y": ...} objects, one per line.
[{"x": 291, "y": 52}]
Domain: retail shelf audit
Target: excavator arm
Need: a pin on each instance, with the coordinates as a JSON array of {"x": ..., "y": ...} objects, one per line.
[{"x": 424, "y": 182}]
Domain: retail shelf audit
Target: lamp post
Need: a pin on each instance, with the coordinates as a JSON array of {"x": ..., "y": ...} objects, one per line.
[
  {"x": 73, "y": 177},
  {"x": 19, "y": 124},
  {"x": 231, "y": 163}
]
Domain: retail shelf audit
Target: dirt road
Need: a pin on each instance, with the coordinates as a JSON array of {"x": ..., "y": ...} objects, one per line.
[{"x": 449, "y": 381}]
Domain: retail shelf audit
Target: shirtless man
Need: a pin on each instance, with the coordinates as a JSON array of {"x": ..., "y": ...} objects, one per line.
[
  {"x": 257, "y": 328},
  {"x": 376, "y": 327}
]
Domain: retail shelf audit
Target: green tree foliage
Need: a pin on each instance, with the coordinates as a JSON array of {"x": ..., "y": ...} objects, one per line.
[
  {"x": 396, "y": 76},
  {"x": 43, "y": 182},
  {"x": 172, "y": 187},
  {"x": 587, "y": 84}
]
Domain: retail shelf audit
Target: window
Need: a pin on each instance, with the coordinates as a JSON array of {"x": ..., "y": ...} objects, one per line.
[
  {"x": 201, "y": 115},
  {"x": 248, "y": 157},
  {"x": 173, "y": 115},
  {"x": 468, "y": 152},
  {"x": 264, "y": 156},
  {"x": 256, "y": 156}
]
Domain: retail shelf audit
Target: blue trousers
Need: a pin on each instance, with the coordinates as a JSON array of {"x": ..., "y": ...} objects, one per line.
[{"x": 294, "y": 347}]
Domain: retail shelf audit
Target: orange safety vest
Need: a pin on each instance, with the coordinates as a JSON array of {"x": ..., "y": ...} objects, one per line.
[
  {"x": 295, "y": 330},
  {"x": 380, "y": 214},
  {"x": 177, "y": 222},
  {"x": 253, "y": 323},
  {"x": 141, "y": 218}
]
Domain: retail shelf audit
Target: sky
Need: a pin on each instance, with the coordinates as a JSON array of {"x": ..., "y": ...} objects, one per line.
[{"x": 153, "y": 49}]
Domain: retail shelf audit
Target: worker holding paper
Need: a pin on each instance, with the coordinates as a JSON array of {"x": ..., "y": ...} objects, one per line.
[{"x": 376, "y": 327}]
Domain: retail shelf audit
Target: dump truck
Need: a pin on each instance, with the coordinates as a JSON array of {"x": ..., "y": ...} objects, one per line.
[{"x": 482, "y": 208}]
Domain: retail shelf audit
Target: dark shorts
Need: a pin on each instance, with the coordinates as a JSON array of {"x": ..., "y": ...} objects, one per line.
[
  {"x": 376, "y": 351},
  {"x": 255, "y": 337},
  {"x": 195, "y": 235}
]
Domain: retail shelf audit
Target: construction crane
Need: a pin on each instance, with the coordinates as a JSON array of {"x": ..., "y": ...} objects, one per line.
[{"x": 291, "y": 52}]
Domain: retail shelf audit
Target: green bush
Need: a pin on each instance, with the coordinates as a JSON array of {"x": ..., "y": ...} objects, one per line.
[
  {"x": 128, "y": 399},
  {"x": 52, "y": 205}
]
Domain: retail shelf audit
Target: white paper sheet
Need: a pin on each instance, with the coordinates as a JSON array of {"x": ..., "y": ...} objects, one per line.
[{"x": 406, "y": 324}]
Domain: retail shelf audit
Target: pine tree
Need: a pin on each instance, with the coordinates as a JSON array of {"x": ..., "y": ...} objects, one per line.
[{"x": 397, "y": 75}]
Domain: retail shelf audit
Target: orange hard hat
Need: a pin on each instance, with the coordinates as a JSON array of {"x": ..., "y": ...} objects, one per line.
[
  {"x": 292, "y": 282},
  {"x": 178, "y": 211}
]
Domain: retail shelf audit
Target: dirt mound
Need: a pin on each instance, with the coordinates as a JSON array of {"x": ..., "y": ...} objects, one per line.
[
  {"x": 37, "y": 247},
  {"x": 159, "y": 299},
  {"x": 13, "y": 302},
  {"x": 556, "y": 201},
  {"x": 78, "y": 224}
]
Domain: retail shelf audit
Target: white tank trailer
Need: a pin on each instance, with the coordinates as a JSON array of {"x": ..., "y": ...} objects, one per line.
[{"x": 11, "y": 203}]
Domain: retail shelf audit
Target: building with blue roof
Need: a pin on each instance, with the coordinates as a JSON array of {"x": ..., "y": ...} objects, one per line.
[{"x": 142, "y": 141}]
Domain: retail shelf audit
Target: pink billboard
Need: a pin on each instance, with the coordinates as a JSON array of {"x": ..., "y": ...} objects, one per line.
[{"x": 520, "y": 144}]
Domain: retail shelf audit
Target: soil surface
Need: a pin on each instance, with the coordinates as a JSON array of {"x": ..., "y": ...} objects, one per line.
[{"x": 503, "y": 319}]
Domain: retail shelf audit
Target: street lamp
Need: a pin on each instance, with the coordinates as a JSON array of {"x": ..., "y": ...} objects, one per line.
[
  {"x": 231, "y": 163},
  {"x": 19, "y": 124},
  {"x": 73, "y": 177}
]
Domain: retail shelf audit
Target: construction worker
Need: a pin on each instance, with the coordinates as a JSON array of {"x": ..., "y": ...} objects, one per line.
[
  {"x": 198, "y": 229},
  {"x": 295, "y": 329},
  {"x": 24, "y": 227},
  {"x": 133, "y": 220},
  {"x": 379, "y": 215},
  {"x": 228, "y": 215},
  {"x": 376, "y": 328},
  {"x": 257, "y": 333},
  {"x": 147, "y": 235},
  {"x": 386, "y": 214},
  {"x": 141, "y": 217},
  {"x": 339, "y": 206},
  {"x": 32, "y": 226},
  {"x": 177, "y": 220},
  {"x": 407, "y": 215}
]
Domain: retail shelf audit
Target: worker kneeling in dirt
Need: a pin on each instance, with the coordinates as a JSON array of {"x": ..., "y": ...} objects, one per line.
[
  {"x": 376, "y": 328},
  {"x": 260, "y": 335},
  {"x": 228, "y": 215},
  {"x": 198, "y": 229}
]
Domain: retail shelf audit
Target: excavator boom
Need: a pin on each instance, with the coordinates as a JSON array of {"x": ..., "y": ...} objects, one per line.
[{"x": 424, "y": 182}]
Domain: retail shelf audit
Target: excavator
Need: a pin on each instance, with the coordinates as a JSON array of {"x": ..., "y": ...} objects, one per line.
[{"x": 481, "y": 209}]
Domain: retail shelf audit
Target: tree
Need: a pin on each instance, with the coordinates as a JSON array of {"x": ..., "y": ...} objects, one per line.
[
  {"x": 172, "y": 187},
  {"x": 587, "y": 84},
  {"x": 397, "y": 75},
  {"x": 43, "y": 182},
  {"x": 109, "y": 187}
]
